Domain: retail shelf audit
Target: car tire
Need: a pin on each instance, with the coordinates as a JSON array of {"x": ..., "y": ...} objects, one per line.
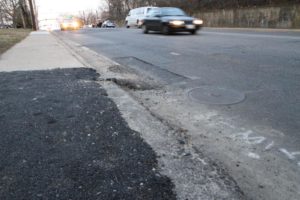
[
  {"x": 138, "y": 26},
  {"x": 126, "y": 24},
  {"x": 165, "y": 30},
  {"x": 193, "y": 32},
  {"x": 145, "y": 29}
]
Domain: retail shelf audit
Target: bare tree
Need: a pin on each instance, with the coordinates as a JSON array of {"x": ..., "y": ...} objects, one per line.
[
  {"x": 15, "y": 12},
  {"x": 89, "y": 16},
  {"x": 9, "y": 10},
  {"x": 119, "y": 8}
]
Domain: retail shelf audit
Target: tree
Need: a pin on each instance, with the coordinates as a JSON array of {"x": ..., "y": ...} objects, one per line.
[
  {"x": 15, "y": 12},
  {"x": 118, "y": 9}
]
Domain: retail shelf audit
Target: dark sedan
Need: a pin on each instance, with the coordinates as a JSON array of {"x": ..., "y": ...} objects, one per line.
[{"x": 168, "y": 20}]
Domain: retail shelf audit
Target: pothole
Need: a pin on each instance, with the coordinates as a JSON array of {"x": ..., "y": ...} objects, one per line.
[
  {"x": 134, "y": 84},
  {"x": 215, "y": 95}
]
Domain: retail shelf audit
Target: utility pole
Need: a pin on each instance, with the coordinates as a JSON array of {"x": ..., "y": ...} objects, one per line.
[{"x": 33, "y": 18}]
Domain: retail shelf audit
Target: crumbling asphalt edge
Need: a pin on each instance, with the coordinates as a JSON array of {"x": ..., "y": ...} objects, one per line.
[{"x": 194, "y": 175}]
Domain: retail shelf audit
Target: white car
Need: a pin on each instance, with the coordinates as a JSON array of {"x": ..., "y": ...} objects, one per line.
[
  {"x": 108, "y": 24},
  {"x": 135, "y": 16}
]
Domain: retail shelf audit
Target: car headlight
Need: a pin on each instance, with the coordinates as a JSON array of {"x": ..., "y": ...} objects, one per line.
[
  {"x": 75, "y": 24},
  {"x": 65, "y": 24},
  {"x": 198, "y": 22},
  {"x": 177, "y": 23}
]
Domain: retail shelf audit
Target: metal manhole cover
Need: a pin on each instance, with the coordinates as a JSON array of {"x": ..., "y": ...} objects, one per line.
[{"x": 215, "y": 95}]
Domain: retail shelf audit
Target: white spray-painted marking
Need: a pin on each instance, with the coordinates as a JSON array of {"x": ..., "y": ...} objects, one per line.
[
  {"x": 202, "y": 161},
  {"x": 251, "y": 140},
  {"x": 290, "y": 155},
  {"x": 228, "y": 124},
  {"x": 175, "y": 54},
  {"x": 254, "y": 140},
  {"x": 253, "y": 155},
  {"x": 269, "y": 146}
]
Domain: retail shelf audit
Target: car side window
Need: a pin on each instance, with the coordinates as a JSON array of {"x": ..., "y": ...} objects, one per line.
[
  {"x": 140, "y": 11},
  {"x": 134, "y": 12}
]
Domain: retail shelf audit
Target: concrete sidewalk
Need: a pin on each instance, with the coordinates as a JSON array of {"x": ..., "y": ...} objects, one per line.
[{"x": 39, "y": 51}]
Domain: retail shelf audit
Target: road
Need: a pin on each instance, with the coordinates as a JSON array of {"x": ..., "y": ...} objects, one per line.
[
  {"x": 251, "y": 77},
  {"x": 263, "y": 65}
]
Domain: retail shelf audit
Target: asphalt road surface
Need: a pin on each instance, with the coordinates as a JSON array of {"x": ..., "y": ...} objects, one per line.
[
  {"x": 235, "y": 91},
  {"x": 63, "y": 138},
  {"x": 261, "y": 69}
]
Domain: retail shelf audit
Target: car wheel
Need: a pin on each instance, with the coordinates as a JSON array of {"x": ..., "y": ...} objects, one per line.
[
  {"x": 127, "y": 25},
  {"x": 193, "y": 32},
  {"x": 138, "y": 22},
  {"x": 145, "y": 29},
  {"x": 165, "y": 30}
]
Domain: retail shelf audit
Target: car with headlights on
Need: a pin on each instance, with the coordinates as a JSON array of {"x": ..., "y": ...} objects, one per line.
[
  {"x": 70, "y": 24},
  {"x": 169, "y": 19}
]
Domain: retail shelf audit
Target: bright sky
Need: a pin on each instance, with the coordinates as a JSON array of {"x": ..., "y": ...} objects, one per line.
[{"x": 53, "y": 8}]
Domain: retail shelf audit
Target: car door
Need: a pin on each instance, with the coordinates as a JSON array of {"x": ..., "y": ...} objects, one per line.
[{"x": 131, "y": 17}]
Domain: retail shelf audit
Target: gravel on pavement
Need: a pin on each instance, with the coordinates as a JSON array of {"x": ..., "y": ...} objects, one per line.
[{"x": 63, "y": 138}]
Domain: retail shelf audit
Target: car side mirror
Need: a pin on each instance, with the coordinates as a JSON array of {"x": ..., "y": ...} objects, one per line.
[{"x": 158, "y": 15}]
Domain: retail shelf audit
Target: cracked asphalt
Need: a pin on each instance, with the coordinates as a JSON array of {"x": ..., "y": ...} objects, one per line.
[{"x": 63, "y": 138}]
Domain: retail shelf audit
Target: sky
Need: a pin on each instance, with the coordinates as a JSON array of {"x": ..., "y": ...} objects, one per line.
[{"x": 53, "y": 8}]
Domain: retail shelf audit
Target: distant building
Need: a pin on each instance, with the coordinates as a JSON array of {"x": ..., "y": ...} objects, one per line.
[{"x": 49, "y": 24}]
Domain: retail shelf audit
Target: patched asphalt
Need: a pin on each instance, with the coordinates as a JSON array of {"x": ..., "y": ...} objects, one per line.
[{"x": 63, "y": 138}]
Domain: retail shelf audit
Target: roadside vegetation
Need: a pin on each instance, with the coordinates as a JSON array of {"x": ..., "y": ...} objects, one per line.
[
  {"x": 9, "y": 37},
  {"x": 118, "y": 9},
  {"x": 15, "y": 13}
]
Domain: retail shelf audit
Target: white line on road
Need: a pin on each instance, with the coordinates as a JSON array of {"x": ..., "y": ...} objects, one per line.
[
  {"x": 175, "y": 54},
  {"x": 255, "y": 35}
]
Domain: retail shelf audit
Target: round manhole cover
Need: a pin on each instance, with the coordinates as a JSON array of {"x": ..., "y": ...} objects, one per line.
[{"x": 215, "y": 95}]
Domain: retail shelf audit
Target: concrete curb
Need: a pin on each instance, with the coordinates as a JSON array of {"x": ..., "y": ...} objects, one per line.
[{"x": 194, "y": 175}]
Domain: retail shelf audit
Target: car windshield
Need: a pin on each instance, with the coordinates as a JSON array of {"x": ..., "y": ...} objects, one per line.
[
  {"x": 172, "y": 12},
  {"x": 153, "y": 11}
]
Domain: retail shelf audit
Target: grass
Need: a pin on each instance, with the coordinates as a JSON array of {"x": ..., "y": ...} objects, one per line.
[{"x": 9, "y": 37}]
